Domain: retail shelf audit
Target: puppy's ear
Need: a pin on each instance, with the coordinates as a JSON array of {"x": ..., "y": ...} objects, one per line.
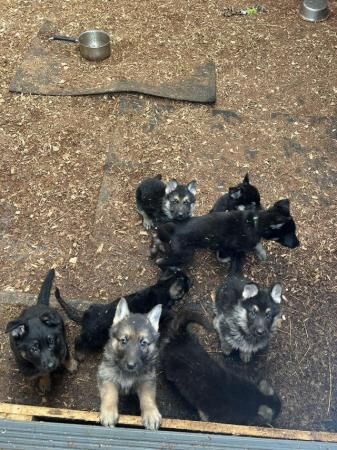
[
  {"x": 122, "y": 311},
  {"x": 192, "y": 187},
  {"x": 276, "y": 293},
  {"x": 234, "y": 193},
  {"x": 17, "y": 328},
  {"x": 249, "y": 291},
  {"x": 50, "y": 319},
  {"x": 171, "y": 186},
  {"x": 246, "y": 179},
  {"x": 154, "y": 316},
  {"x": 283, "y": 206}
]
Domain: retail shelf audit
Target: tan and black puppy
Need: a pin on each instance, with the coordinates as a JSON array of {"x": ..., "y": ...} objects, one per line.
[{"x": 129, "y": 363}]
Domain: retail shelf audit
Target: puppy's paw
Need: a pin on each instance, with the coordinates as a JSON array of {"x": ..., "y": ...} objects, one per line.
[
  {"x": 261, "y": 253},
  {"x": 226, "y": 348},
  {"x": 266, "y": 413},
  {"x": 44, "y": 384},
  {"x": 265, "y": 388},
  {"x": 147, "y": 223},
  {"x": 72, "y": 365},
  {"x": 151, "y": 418},
  {"x": 222, "y": 260},
  {"x": 109, "y": 418},
  {"x": 245, "y": 356}
]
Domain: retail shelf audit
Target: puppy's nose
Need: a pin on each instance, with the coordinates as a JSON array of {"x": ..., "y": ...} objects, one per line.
[
  {"x": 260, "y": 331},
  {"x": 131, "y": 365},
  {"x": 180, "y": 215}
]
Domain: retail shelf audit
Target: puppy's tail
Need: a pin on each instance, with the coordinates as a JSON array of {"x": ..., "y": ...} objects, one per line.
[
  {"x": 74, "y": 314},
  {"x": 177, "y": 323},
  {"x": 236, "y": 264},
  {"x": 165, "y": 231},
  {"x": 44, "y": 294}
]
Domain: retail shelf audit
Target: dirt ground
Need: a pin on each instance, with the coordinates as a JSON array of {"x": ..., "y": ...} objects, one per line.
[{"x": 70, "y": 166}]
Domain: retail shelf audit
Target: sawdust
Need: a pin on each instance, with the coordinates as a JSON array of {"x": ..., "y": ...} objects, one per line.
[{"x": 275, "y": 117}]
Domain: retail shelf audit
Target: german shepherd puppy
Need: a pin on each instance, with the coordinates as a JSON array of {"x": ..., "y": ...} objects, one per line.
[
  {"x": 246, "y": 315},
  {"x": 158, "y": 203},
  {"x": 96, "y": 321},
  {"x": 243, "y": 196},
  {"x": 129, "y": 362},
  {"x": 229, "y": 233},
  {"x": 37, "y": 339},
  {"x": 217, "y": 393}
]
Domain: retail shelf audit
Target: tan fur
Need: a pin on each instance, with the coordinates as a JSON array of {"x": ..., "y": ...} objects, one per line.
[
  {"x": 147, "y": 398},
  {"x": 109, "y": 404},
  {"x": 44, "y": 384},
  {"x": 70, "y": 363}
]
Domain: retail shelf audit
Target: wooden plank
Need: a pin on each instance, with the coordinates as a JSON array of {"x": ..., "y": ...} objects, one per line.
[
  {"x": 16, "y": 417},
  {"x": 169, "y": 424}
]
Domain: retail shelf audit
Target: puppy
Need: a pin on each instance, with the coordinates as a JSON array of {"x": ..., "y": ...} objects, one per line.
[
  {"x": 37, "y": 339},
  {"x": 157, "y": 202},
  {"x": 172, "y": 285},
  {"x": 229, "y": 233},
  {"x": 217, "y": 393},
  {"x": 246, "y": 315},
  {"x": 129, "y": 363},
  {"x": 243, "y": 196}
]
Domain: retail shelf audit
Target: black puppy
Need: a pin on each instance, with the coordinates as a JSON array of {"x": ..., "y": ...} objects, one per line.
[
  {"x": 158, "y": 203},
  {"x": 37, "y": 339},
  {"x": 241, "y": 197},
  {"x": 217, "y": 393},
  {"x": 96, "y": 320},
  {"x": 231, "y": 233}
]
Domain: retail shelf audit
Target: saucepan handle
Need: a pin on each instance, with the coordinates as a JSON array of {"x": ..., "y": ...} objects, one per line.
[{"x": 59, "y": 37}]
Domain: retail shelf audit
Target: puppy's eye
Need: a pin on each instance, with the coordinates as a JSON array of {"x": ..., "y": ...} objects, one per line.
[
  {"x": 186, "y": 202},
  {"x": 51, "y": 341},
  {"x": 268, "y": 314},
  {"x": 123, "y": 340},
  {"x": 144, "y": 344},
  {"x": 175, "y": 201},
  {"x": 252, "y": 313}
]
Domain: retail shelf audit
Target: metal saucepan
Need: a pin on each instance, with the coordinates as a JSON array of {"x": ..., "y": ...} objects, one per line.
[{"x": 94, "y": 44}]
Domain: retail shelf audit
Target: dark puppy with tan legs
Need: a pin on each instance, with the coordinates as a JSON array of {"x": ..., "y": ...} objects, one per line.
[
  {"x": 129, "y": 363},
  {"x": 96, "y": 321},
  {"x": 228, "y": 233},
  {"x": 217, "y": 393},
  {"x": 37, "y": 339},
  {"x": 246, "y": 315},
  {"x": 158, "y": 202},
  {"x": 243, "y": 196}
]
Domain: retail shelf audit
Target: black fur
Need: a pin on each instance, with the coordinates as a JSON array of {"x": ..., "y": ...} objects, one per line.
[
  {"x": 96, "y": 320},
  {"x": 37, "y": 336},
  {"x": 231, "y": 233},
  {"x": 217, "y": 393},
  {"x": 243, "y": 196},
  {"x": 158, "y": 202}
]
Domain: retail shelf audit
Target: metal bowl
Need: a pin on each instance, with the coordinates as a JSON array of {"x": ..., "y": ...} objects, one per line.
[
  {"x": 314, "y": 10},
  {"x": 94, "y": 45}
]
